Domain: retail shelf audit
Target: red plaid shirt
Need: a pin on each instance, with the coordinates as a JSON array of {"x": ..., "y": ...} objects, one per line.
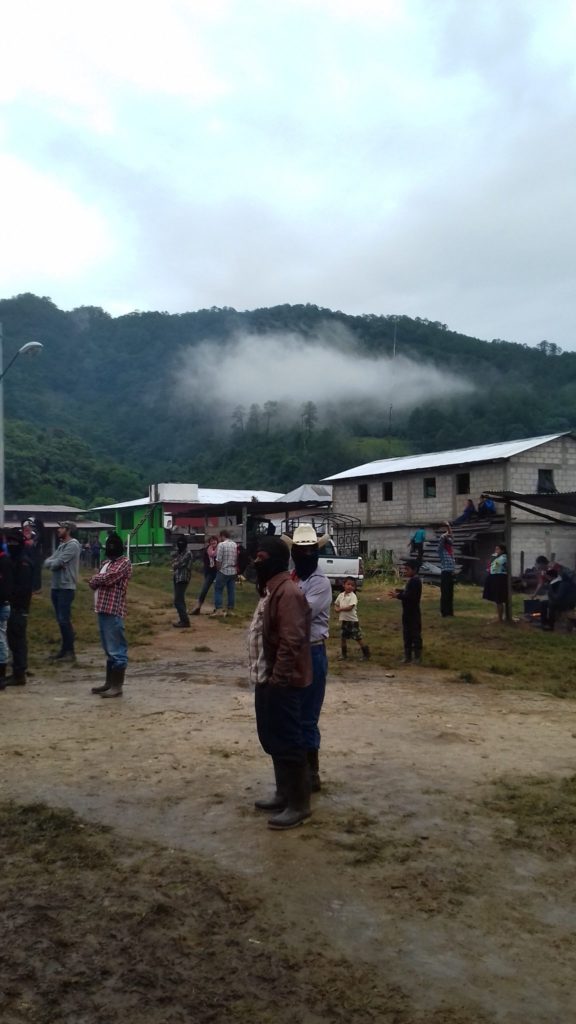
[{"x": 111, "y": 584}]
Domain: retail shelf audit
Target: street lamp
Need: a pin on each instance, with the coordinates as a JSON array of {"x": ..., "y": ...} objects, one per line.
[{"x": 30, "y": 348}]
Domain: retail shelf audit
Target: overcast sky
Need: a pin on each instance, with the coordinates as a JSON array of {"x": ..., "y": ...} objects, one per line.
[{"x": 384, "y": 156}]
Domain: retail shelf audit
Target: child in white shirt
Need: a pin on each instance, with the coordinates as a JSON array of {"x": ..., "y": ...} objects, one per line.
[{"x": 346, "y": 604}]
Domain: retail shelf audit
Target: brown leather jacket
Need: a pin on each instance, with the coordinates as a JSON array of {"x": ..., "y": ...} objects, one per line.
[{"x": 286, "y": 633}]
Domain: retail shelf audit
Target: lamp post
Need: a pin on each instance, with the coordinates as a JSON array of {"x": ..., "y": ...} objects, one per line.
[{"x": 31, "y": 347}]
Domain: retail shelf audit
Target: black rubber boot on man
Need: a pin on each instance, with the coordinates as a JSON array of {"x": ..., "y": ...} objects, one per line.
[
  {"x": 16, "y": 679},
  {"x": 277, "y": 801},
  {"x": 314, "y": 769},
  {"x": 105, "y": 686},
  {"x": 2, "y": 677},
  {"x": 365, "y": 652},
  {"x": 116, "y": 683},
  {"x": 298, "y": 792}
]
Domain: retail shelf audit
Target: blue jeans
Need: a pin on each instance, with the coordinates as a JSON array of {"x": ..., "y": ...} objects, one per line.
[
  {"x": 313, "y": 697},
  {"x": 209, "y": 577},
  {"x": 220, "y": 582},
  {"x": 4, "y": 616},
  {"x": 62, "y": 603},
  {"x": 113, "y": 640}
]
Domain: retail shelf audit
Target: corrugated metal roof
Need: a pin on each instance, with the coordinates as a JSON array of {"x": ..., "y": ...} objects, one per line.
[
  {"x": 206, "y": 496},
  {"x": 309, "y": 492},
  {"x": 44, "y": 508},
  {"x": 456, "y": 457}
]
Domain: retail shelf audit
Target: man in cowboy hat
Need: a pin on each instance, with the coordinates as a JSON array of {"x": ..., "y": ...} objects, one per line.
[{"x": 305, "y": 550}]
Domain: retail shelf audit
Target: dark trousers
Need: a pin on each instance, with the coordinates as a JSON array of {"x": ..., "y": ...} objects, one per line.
[
  {"x": 209, "y": 577},
  {"x": 279, "y": 721},
  {"x": 180, "y": 601},
  {"x": 62, "y": 604},
  {"x": 412, "y": 633},
  {"x": 446, "y": 593},
  {"x": 417, "y": 552},
  {"x": 18, "y": 640},
  {"x": 313, "y": 697}
]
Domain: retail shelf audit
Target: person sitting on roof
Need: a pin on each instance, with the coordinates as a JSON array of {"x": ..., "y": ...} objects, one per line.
[
  {"x": 466, "y": 515},
  {"x": 486, "y": 507}
]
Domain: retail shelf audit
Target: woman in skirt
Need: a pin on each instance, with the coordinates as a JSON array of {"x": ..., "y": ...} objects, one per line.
[{"x": 496, "y": 585}]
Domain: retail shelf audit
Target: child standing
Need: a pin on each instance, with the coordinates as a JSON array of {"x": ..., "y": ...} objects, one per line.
[
  {"x": 346, "y": 604},
  {"x": 411, "y": 617}
]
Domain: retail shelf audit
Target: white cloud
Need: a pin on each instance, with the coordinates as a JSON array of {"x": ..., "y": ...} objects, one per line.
[
  {"x": 48, "y": 234},
  {"x": 368, "y": 155},
  {"x": 326, "y": 368}
]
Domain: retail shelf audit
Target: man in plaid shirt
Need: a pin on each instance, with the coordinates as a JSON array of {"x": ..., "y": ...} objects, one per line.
[{"x": 110, "y": 585}]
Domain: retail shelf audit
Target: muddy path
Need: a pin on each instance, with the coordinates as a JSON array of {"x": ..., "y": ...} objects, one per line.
[{"x": 402, "y": 865}]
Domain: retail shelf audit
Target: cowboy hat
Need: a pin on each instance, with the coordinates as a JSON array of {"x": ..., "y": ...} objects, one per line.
[{"x": 305, "y": 535}]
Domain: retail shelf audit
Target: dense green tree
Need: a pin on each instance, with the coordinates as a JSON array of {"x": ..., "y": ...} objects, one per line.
[{"x": 98, "y": 414}]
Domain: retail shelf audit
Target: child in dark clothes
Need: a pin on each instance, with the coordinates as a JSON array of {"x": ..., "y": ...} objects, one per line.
[{"x": 411, "y": 618}]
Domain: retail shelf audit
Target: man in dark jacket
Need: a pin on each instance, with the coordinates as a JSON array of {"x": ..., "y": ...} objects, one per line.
[
  {"x": 23, "y": 567},
  {"x": 280, "y": 647},
  {"x": 411, "y": 617},
  {"x": 6, "y": 580},
  {"x": 181, "y": 575}
]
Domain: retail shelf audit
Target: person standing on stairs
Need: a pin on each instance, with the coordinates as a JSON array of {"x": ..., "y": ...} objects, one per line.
[{"x": 448, "y": 568}]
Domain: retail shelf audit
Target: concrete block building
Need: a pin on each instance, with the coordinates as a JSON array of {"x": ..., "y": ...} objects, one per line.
[{"x": 393, "y": 497}]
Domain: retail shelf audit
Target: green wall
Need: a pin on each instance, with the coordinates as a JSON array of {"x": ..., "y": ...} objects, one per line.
[{"x": 150, "y": 534}]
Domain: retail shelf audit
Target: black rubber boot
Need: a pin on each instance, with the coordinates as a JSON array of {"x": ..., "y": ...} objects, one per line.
[
  {"x": 297, "y": 781},
  {"x": 16, "y": 679},
  {"x": 2, "y": 677},
  {"x": 314, "y": 770},
  {"x": 407, "y": 659},
  {"x": 105, "y": 686},
  {"x": 116, "y": 683},
  {"x": 365, "y": 652},
  {"x": 276, "y": 802}
]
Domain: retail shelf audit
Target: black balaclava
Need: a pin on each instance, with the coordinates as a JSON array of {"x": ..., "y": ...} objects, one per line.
[
  {"x": 305, "y": 558},
  {"x": 277, "y": 561},
  {"x": 182, "y": 542},
  {"x": 114, "y": 547}
]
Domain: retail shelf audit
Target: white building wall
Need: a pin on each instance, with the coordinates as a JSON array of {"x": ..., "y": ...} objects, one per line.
[{"x": 387, "y": 525}]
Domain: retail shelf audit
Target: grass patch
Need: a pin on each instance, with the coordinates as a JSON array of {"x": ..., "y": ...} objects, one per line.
[
  {"x": 137, "y": 932},
  {"x": 470, "y": 645},
  {"x": 542, "y": 810}
]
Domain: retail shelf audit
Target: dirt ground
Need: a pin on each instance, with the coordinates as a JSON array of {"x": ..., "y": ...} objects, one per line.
[{"x": 403, "y": 870}]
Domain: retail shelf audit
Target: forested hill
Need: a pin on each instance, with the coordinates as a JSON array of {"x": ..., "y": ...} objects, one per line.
[{"x": 99, "y": 414}]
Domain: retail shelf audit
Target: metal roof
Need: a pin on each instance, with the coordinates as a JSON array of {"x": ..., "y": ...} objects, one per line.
[
  {"x": 456, "y": 457},
  {"x": 206, "y": 496},
  {"x": 322, "y": 493},
  {"x": 44, "y": 508},
  {"x": 559, "y": 507}
]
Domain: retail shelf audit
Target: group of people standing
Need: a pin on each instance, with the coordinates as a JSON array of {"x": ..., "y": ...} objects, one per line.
[
  {"x": 18, "y": 582},
  {"x": 221, "y": 566}
]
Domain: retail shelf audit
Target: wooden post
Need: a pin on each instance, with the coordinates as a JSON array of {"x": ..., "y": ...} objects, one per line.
[
  {"x": 244, "y": 525},
  {"x": 508, "y": 541}
]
